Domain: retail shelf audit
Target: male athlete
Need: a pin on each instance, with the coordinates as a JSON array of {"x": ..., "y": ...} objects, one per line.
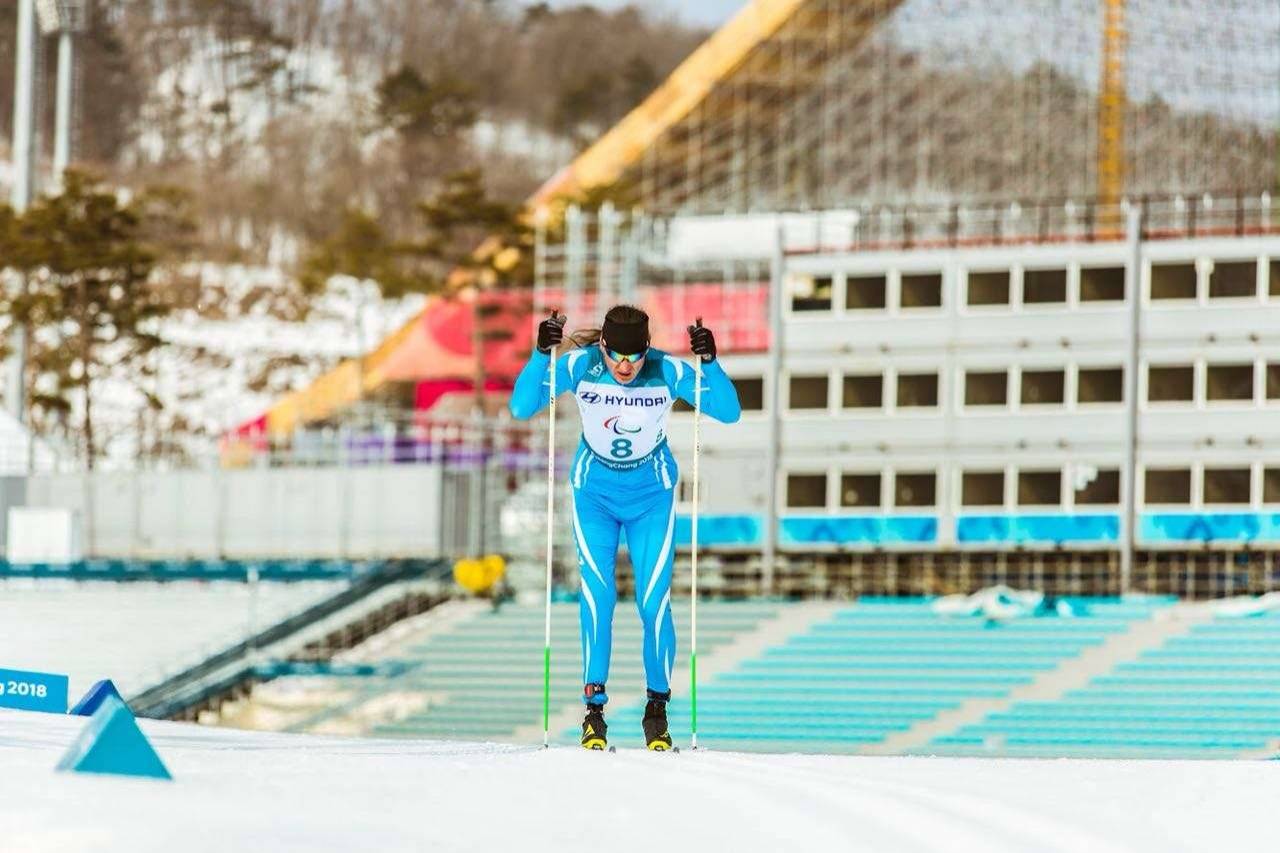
[{"x": 624, "y": 478}]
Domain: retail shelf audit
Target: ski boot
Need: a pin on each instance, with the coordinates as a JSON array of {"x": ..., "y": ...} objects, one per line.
[
  {"x": 594, "y": 729},
  {"x": 656, "y": 735}
]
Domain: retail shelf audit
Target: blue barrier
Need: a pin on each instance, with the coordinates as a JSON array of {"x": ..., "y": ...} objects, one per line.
[
  {"x": 1040, "y": 528},
  {"x": 282, "y": 668},
  {"x": 93, "y": 699},
  {"x": 112, "y": 743},
  {"x": 201, "y": 570},
  {"x": 1210, "y": 527},
  {"x": 743, "y": 530},
  {"x": 858, "y": 529},
  {"x": 23, "y": 690}
]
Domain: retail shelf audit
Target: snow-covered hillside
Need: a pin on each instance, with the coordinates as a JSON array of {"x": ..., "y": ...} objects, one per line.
[{"x": 253, "y": 791}]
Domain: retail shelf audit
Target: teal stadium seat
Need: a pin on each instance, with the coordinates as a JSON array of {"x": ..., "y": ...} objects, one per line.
[{"x": 1212, "y": 692}]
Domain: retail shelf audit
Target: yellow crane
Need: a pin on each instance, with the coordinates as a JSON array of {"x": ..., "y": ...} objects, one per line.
[{"x": 1111, "y": 110}]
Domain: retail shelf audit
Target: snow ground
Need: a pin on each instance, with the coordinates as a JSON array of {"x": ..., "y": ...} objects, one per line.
[{"x": 236, "y": 790}]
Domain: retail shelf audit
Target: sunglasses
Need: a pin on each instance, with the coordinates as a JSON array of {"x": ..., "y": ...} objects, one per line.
[{"x": 633, "y": 358}]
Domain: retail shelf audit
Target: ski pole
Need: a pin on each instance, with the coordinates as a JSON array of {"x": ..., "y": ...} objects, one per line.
[
  {"x": 551, "y": 486},
  {"x": 693, "y": 585}
]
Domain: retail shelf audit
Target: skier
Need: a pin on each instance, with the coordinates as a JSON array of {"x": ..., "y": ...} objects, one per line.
[{"x": 623, "y": 477}]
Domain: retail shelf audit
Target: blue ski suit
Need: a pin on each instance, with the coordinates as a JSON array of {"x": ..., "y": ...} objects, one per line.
[{"x": 624, "y": 476}]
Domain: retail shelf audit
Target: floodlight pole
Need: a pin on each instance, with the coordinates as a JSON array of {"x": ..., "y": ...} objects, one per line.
[
  {"x": 62, "y": 127},
  {"x": 24, "y": 138}
]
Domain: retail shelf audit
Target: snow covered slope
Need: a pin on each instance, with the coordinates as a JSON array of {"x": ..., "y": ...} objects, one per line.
[{"x": 254, "y": 791}]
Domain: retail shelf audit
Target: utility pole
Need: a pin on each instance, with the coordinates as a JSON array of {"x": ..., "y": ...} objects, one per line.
[
  {"x": 777, "y": 284},
  {"x": 1133, "y": 364}
]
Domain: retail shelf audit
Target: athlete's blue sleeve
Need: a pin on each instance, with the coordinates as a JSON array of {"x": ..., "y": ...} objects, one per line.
[
  {"x": 719, "y": 397},
  {"x": 532, "y": 390}
]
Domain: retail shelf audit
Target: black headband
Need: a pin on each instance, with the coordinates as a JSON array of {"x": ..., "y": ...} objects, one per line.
[{"x": 626, "y": 338}]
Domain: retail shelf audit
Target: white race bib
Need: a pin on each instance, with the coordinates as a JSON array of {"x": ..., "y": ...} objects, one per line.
[{"x": 622, "y": 423}]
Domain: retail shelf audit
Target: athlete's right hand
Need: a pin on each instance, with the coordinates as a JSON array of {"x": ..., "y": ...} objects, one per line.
[{"x": 551, "y": 332}]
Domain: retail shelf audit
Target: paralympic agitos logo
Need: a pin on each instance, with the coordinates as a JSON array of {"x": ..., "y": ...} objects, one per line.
[{"x": 613, "y": 425}]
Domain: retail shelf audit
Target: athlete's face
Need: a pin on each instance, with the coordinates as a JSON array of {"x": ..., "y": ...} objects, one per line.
[{"x": 622, "y": 370}]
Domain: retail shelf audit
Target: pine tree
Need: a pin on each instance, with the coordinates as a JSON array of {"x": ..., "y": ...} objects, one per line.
[{"x": 90, "y": 294}]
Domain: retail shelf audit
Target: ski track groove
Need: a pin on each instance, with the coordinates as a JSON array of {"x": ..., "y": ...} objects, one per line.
[{"x": 1025, "y": 830}]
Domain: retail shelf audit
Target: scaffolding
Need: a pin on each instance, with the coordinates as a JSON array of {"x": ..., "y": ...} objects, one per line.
[{"x": 851, "y": 102}]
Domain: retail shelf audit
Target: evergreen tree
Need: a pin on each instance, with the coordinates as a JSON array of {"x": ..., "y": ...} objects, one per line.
[{"x": 90, "y": 295}]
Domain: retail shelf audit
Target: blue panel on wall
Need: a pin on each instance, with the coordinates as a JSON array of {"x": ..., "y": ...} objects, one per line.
[
  {"x": 745, "y": 530},
  {"x": 1040, "y": 528},
  {"x": 858, "y": 529},
  {"x": 1157, "y": 527}
]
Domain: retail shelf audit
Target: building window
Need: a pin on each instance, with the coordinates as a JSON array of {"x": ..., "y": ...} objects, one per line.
[
  {"x": 986, "y": 388},
  {"x": 864, "y": 293},
  {"x": 1274, "y": 278},
  {"x": 1226, "y": 485},
  {"x": 1233, "y": 279},
  {"x": 1173, "y": 281},
  {"x": 811, "y": 293},
  {"x": 808, "y": 392},
  {"x": 982, "y": 488},
  {"x": 1104, "y": 488},
  {"x": 806, "y": 491},
  {"x": 1171, "y": 384},
  {"x": 917, "y": 389},
  {"x": 1167, "y": 486},
  {"x": 750, "y": 393},
  {"x": 1273, "y": 381},
  {"x": 915, "y": 489},
  {"x": 921, "y": 290},
  {"x": 1229, "y": 382},
  {"x": 1102, "y": 284},
  {"x": 989, "y": 288},
  {"x": 1271, "y": 485},
  {"x": 1042, "y": 387},
  {"x": 860, "y": 490},
  {"x": 1100, "y": 385},
  {"x": 1044, "y": 286},
  {"x": 863, "y": 392},
  {"x": 1039, "y": 488}
]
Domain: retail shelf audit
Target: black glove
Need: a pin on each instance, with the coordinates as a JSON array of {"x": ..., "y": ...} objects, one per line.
[
  {"x": 702, "y": 342},
  {"x": 551, "y": 332}
]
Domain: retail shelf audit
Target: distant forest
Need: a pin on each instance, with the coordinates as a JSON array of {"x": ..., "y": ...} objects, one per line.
[{"x": 281, "y": 115}]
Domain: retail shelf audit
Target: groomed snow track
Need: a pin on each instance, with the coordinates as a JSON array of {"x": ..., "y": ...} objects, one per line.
[{"x": 238, "y": 790}]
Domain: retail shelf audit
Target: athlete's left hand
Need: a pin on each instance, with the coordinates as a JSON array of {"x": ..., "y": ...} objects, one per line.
[{"x": 702, "y": 342}]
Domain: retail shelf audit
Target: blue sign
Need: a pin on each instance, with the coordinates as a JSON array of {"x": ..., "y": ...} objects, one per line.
[{"x": 33, "y": 691}]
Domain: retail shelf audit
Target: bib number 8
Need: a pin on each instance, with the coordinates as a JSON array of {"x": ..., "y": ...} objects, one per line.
[{"x": 621, "y": 448}]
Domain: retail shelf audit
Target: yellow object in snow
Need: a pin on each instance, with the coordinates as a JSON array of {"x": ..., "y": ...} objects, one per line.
[{"x": 479, "y": 576}]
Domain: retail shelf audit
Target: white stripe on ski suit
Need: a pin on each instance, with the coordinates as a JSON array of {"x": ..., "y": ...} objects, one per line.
[
  {"x": 586, "y": 646},
  {"x": 657, "y": 629},
  {"x": 662, "y": 555},
  {"x": 582, "y": 546}
]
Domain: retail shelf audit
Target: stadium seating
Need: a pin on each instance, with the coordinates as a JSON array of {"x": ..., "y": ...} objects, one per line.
[
  {"x": 873, "y": 669},
  {"x": 1211, "y": 692},
  {"x": 881, "y": 666},
  {"x": 484, "y": 678}
]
